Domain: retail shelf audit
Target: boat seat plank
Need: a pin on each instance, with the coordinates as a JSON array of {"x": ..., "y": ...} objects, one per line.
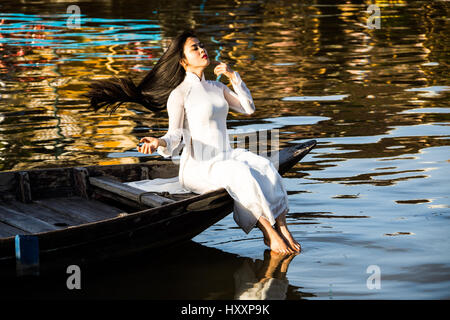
[
  {"x": 137, "y": 195},
  {"x": 8, "y": 231},
  {"x": 77, "y": 207},
  {"x": 24, "y": 221}
]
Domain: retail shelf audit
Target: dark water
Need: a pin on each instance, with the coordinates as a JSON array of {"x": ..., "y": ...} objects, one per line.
[{"x": 374, "y": 192}]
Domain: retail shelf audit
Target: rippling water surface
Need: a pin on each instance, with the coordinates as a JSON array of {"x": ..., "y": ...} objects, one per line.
[{"x": 374, "y": 193}]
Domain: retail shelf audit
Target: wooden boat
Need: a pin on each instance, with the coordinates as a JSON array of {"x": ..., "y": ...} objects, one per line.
[{"x": 85, "y": 214}]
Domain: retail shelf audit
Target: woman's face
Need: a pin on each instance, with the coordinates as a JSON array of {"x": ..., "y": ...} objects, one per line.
[{"x": 195, "y": 53}]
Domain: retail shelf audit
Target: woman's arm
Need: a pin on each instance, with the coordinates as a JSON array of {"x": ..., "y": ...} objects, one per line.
[
  {"x": 175, "y": 110},
  {"x": 240, "y": 99}
]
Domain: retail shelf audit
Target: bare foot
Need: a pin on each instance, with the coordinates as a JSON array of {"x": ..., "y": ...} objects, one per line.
[
  {"x": 276, "y": 243},
  {"x": 287, "y": 236},
  {"x": 272, "y": 238}
]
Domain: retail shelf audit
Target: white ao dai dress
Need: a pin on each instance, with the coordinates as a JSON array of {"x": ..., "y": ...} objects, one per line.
[{"x": 197, "y": 110}]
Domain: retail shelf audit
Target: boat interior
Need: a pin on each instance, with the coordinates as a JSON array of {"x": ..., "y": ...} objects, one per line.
[{"x": 44, "y": 200}]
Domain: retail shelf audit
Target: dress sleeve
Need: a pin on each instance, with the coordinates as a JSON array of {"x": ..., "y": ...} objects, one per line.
[
  {"x": 240, "y": 99},
  {"x": 175, "y": 110}
]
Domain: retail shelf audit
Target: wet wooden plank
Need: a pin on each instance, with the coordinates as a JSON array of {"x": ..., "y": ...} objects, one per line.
[
  {"x": 9, "y": 231},
  {"x": 131, "y": 193},
  {"x": 59, "y": 219},
  {"x": 23, "y": 221},
  {"x": 88, "y": 210},
  {"x": 105, "y": 210}
]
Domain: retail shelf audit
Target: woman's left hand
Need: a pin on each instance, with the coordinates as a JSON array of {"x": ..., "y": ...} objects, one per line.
[{"x": 223, "y": 68}]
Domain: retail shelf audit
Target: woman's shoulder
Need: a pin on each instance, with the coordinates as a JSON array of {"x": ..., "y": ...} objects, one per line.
[
  {"x": 179, "y": 90},
  {"x": 176, "y": 96}
]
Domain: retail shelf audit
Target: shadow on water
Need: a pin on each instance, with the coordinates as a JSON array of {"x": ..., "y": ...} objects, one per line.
[{"x": 188, "y": 271}]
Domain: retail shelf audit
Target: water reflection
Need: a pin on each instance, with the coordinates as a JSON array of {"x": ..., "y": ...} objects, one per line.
[
  {"x": 314, "y": 59},
  {"x": 189, "y": 271},
  {"x": 263, "y": 281}
]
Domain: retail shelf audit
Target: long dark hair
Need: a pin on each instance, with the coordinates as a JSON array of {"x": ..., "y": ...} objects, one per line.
[{"x": 153, "y": 91}]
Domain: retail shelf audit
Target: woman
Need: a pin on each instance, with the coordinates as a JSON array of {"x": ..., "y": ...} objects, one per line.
[{"x": 197, "y": 110}]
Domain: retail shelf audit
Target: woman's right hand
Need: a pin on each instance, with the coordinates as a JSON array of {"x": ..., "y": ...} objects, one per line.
[{"x": 149, "y": 145}]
